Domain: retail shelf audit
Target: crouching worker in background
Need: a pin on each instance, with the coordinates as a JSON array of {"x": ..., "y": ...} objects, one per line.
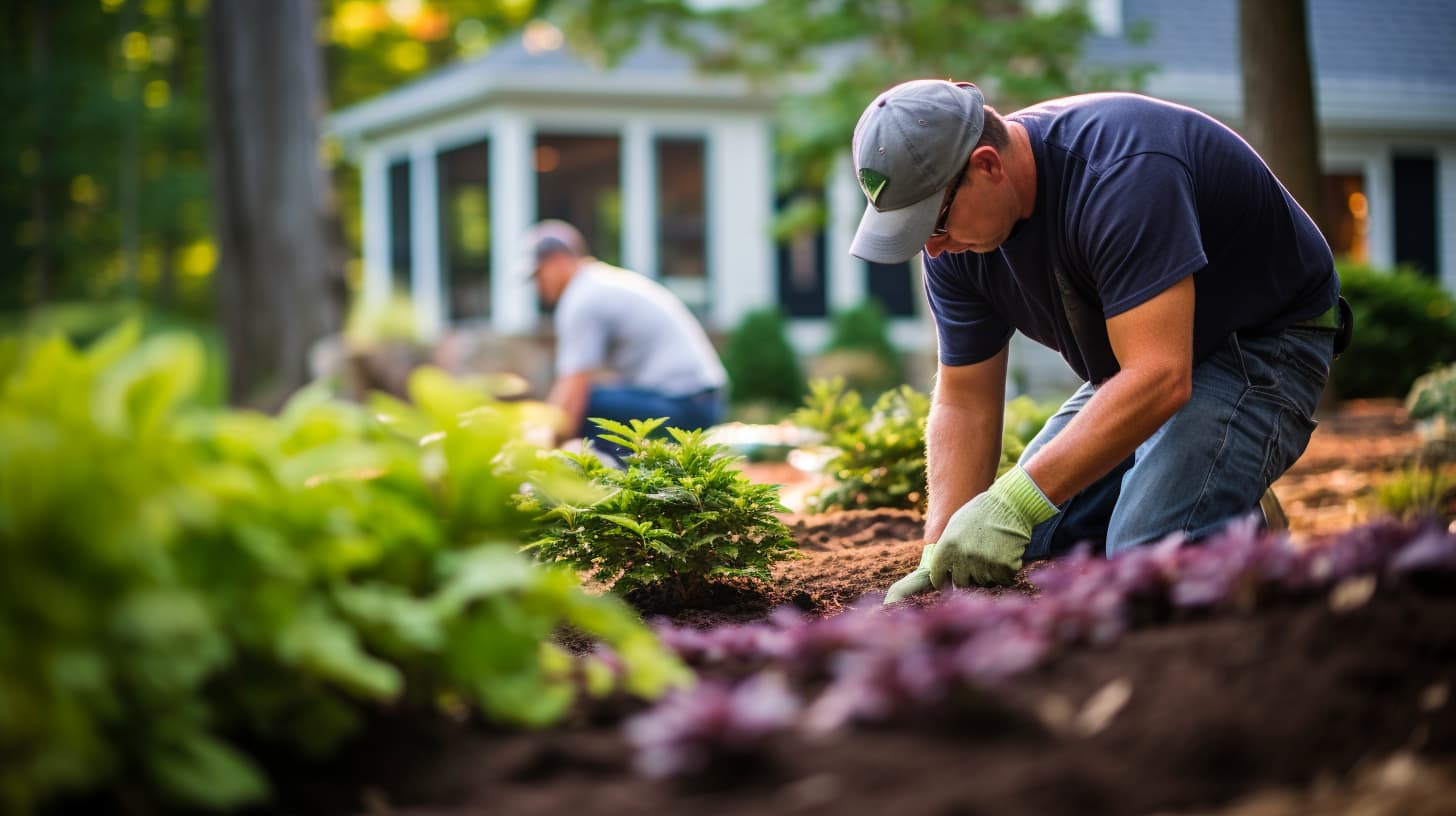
[{"x": 626, "y": 347}]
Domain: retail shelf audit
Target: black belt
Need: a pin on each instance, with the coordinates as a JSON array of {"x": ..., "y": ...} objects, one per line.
[{"x": 1338, "y": 320}]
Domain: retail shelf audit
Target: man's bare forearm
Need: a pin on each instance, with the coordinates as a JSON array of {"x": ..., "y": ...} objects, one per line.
[
  {"x": 962, "y": 448},
  {"x": 963, "y": 437},
  {"x": 1124, "y": 412},
  {"x": 1154, "y": 344}
]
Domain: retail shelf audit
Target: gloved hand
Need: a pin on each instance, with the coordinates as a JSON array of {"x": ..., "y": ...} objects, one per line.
[
  {"x": 915, "y": 583},
  {"x": 984, "y": 540}
]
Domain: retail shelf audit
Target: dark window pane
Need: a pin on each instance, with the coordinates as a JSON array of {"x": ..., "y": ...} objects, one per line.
[
  {"x": 682, "y": 229},
  {"x": 802, "y": 266},
  {"x": 465, "y": 229},
  {"x": 1415, "y": 212},
  {"x": 801, "y": 275},
  {"x": 890, "y": 285},
  {"x": 400, "y": 246},
  {"x": 578, "y": 180}
]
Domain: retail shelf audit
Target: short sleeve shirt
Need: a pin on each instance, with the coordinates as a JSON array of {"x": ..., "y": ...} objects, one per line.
[
  {"x": 1133, "y": 195},
  {"x": 622, "y": 322}
]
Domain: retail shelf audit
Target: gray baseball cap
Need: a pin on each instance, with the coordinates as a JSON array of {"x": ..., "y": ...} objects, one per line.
[
  {"x": 909, "y": 145},
  {"x": 546, "y": 238}
]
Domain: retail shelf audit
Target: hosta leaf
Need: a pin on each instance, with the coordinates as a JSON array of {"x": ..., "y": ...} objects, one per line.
[
  {"x": 199, "y": 770},
  {"x": 414, "y": 622},
  {"x": 327, "y": 647},
  {"x": 145, "y": 388},
  {"x": 483, "y": 572}
]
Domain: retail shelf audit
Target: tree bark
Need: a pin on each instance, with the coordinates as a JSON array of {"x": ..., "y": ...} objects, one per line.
[
  {"x": 279, "y": 283},
  {"x": 1279, "y": 107}
]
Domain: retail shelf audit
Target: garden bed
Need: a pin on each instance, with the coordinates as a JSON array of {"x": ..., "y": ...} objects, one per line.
[
  {"x": 1218, "y": 709},
  {"x": 1296, "y": 702}
]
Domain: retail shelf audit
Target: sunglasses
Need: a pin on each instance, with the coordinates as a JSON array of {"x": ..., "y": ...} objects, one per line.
[{"x": 945, "y": 208}]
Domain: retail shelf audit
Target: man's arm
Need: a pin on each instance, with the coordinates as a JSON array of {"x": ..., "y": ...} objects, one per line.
[
  {"x": 963, "y": 436},
  {"x": 1154, "y": 346},
  {"x": 570, "y": 395}
]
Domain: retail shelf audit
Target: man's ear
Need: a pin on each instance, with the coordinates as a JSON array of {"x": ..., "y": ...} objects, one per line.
[{"x": 986, "y": 160}]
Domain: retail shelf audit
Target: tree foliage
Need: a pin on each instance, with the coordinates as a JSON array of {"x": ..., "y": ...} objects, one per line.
[
  {"x": 829, "y": 60},
  {"x": 107, "y": 192}
]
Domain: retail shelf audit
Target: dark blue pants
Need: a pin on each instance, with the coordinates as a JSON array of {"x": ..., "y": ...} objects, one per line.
[
  {"x": 1250, "y": 417},
  {"x": 624, "y": 404}
]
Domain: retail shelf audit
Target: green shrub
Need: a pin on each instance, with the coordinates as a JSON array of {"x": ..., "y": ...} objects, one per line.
[
  {"x": 1432, "y": 398},
  {"x": 680, "y": 516},
  {"x": 1405, "y": 325},
  {"x": 1418, "y": 491},
  {"x": 762, "y": 366},
  {"x": 880, "y": 450},
  {"x": 177, "y": 577},
  {"x": 858, "y": 332}
]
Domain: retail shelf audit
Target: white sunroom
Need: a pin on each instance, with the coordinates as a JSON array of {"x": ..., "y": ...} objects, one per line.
[{"x": 665, "y": 171}]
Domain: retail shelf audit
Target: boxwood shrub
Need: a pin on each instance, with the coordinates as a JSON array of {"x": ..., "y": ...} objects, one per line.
[{"x": 1405, "y": 325}]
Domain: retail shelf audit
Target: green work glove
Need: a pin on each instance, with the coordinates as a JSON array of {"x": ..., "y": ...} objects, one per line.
[
  {"x": 984, "y": 540},
  {"x": 914, "y": 583}
]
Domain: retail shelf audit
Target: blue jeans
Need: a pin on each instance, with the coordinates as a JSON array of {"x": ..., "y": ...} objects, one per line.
[
  {"x": 625, "y": 404},
  {"x": 1248, "y": 420}
]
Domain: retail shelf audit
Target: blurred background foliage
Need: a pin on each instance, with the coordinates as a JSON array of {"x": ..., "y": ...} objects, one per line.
[{"x": 108, "y": 193}]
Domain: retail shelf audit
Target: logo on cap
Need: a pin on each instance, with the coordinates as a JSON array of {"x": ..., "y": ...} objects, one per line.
[{"x": 872, "y": 183}]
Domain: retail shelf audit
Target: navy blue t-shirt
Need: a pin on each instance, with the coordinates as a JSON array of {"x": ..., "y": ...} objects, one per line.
[{"x": 1133, "y": 195}]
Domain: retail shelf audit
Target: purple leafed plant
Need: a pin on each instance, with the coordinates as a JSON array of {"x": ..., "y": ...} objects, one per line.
[
  {"x": 870, "y": 663},
  {"x": 689, "y": 729}
]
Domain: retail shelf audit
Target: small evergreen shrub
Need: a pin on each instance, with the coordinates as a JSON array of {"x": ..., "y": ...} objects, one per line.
[
  {"x": 860, "y": 350},
  {"x": 678, "y": 518},
  {"x": 1405, "y": 325},
  {"x": 762, "y": 366}
]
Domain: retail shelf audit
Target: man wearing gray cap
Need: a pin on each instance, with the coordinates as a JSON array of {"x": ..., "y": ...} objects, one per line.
[
  {"x": 626, "y": 347},
  {"x": 1152, "y": 248}
]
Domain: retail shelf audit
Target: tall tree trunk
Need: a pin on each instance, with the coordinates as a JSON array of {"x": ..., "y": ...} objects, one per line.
[
  {"x": 1279, "y": 109},
  {"x": 279, "y": 283}
]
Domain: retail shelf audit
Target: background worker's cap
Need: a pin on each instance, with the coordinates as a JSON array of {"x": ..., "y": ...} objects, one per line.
[
  {"x": 910, "y": 144},
  {"x": 547, "y": 238}
]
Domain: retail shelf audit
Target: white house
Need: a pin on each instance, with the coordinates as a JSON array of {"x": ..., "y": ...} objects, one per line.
[{"x": 671, "y": 173}]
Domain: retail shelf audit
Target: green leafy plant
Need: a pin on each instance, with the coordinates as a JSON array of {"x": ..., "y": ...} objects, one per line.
[
  {"x": 879, "y": 458},
  {"x": 176, "y": 577},
  {"x": 679, "y": 517},
  {"x": 1405, "y": 325},
  {"x": 1427, "y": 486},
  {"x": 1416, "y": 491},
  {"x": 762, "y": 366},
  {"x": 1432, "y": 398}
]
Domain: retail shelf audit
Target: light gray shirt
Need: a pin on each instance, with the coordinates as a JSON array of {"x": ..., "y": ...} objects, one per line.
[{"x": 610, "y": 318}]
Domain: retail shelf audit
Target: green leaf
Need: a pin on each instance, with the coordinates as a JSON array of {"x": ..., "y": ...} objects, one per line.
[
  {"x": 201, "y": 771},
  {"x": 327, "y": 647},
  {"x": 145, "y": 388},
  {"x": 484, "y": 572}
]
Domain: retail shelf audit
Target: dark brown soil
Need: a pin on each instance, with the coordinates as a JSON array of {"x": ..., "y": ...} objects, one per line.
[
  {"x": 1297, "y": 698},
  {"x": 1218, "y": 709}
]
